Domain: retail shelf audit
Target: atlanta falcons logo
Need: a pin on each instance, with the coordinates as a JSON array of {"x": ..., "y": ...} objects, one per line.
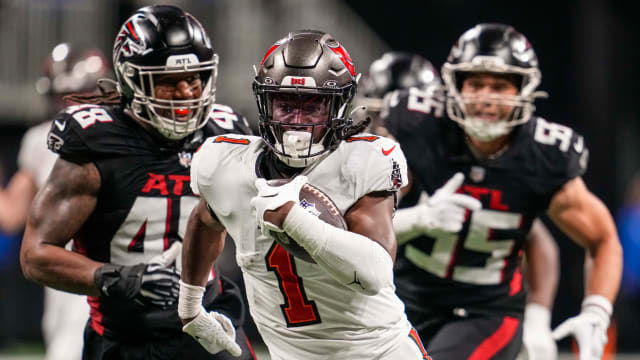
[{"x": 129, "y": 42}]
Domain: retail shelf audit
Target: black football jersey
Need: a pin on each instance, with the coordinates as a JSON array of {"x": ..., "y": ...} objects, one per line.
[
  {"x": 144, "y": 200},
  {"x": 477, "y": 268}
]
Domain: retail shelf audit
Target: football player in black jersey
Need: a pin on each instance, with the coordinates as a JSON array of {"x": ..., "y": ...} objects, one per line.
[
  {"x": 392, "y": 71},
  {"x": 463, "y": 288},
  {"x": 120, "y": 190},
  {"x": 395, "y": 71}
]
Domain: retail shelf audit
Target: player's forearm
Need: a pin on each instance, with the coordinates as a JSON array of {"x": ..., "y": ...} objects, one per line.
[
  {"x": 350, "y": 258},
  {"x": 56, "y": 267},
  {"x": 604, "y": 270},
  {"x": 201, "y": 246}
]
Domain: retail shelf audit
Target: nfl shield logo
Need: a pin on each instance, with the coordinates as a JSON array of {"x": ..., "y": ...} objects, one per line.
[
  {"x": 477, "y": 174},
  {"x": 310, "y": 207},
  {"x": 185, "y": 158}
]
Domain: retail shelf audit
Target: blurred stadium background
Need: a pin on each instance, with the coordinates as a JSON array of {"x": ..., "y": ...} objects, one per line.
[{"x": 588, "y": 52}]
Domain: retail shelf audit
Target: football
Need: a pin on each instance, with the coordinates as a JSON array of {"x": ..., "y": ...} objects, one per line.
[{"x": 317, "y": 203}]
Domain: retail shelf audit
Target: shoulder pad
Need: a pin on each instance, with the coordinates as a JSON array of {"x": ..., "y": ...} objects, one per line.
[
  {"x": 77, "y": 131},
  {"x": 211, "y": 153},
  {"x": 406, "y": 111},
  {"x": 374, "y": 163},
  {"x": 561, "y": 150},
  {"x": 224, "y": 119}
]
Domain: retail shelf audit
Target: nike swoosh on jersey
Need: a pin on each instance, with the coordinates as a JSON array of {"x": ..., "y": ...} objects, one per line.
[
  {"x": 387, "y": 152},
  {"x": 60, "y": 125}
]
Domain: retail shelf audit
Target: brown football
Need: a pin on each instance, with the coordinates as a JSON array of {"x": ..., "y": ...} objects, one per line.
[{"x": 318, "y": 204}]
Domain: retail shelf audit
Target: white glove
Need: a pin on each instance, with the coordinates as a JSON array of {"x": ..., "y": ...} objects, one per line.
[
  {"x": 444, "y": 211},
  {"x": 538, "y": 343},
  {"x": 214, "y": 332},
  {"x": 272, "y": 197},
  {"x": 589, "y": 328}
]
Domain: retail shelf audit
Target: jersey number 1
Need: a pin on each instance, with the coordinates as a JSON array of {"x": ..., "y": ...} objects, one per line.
[{"x": 298, "y": 310}]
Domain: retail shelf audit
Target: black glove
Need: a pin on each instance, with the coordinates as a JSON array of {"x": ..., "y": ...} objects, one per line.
[{"x": 154, "y": 284}]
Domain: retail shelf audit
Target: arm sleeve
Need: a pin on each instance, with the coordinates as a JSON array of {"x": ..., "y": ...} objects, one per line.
[{"x": 354, "y": 260}]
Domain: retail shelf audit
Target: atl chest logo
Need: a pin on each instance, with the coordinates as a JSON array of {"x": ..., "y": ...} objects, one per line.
[{"x": 160, "y": 184}]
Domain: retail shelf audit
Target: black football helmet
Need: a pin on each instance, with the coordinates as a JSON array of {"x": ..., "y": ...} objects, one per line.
[
  {"x": 492, "y": 48},
  {"x": 67, "y": 69},
  {"x": 396, "y": 70},
  {"x": 159, "y": 40},
  {"x": 305, "y": 62}
]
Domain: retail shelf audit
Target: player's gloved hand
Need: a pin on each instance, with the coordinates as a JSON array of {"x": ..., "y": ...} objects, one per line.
[
  {"x": 445, "y": 210},
  {"x": 272, "y": 197},
  {"x": 589, "y": 328},
  {"x": 538, "y": 343},
  {"x": 152, "y": 284},
  {"x": 214, "y": 331}
]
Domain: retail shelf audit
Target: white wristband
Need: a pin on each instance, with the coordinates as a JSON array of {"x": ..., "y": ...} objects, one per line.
[
  {"x": 537, "y": 314},
  {"x": 600, "y": 302},
  {"x": 190, "y": 300}
]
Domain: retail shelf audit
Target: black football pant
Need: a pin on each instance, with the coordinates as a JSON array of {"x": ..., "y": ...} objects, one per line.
[
  {"x": 182, "y": 346},
  {"x": 486, "y": 337}
]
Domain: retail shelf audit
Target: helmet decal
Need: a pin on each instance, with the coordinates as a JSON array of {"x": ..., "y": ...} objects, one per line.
[
  {"x": 271, "y": 49},
  {"x": 128, "y": 43},
  {"x": 344, "y": 56}
]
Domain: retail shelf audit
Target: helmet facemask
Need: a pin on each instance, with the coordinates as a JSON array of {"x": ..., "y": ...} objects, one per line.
[
  {"x": 460, "y": 107},
  {"x": 173, "y": 119},
  {"x": 295, "y": 139}
]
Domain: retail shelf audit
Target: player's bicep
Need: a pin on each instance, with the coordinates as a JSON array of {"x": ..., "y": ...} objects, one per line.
[
  {"x": 64, "y": 203},
  {"x": 204, "y": 216},
  {"x": 580, "y": 214},
  {"x": 372, "y": 216}
]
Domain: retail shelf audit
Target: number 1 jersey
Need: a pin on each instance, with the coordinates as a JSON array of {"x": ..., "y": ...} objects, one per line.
[{"x": 300, "y": 311}]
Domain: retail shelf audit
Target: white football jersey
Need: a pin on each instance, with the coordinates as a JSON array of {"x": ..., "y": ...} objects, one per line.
[
  {"x": 34, "y": 157},
  {"x": 301, "y": 312}
]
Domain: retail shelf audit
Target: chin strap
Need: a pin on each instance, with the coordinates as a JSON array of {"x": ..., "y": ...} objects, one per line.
[{"x": 350, "y": 129}]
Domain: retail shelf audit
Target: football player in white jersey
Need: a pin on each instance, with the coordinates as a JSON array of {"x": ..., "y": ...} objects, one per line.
[{"x": 343, "y": 306}]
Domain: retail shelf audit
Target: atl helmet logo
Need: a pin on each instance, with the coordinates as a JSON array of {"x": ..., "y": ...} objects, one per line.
[{"x": 128, "y": 43}]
